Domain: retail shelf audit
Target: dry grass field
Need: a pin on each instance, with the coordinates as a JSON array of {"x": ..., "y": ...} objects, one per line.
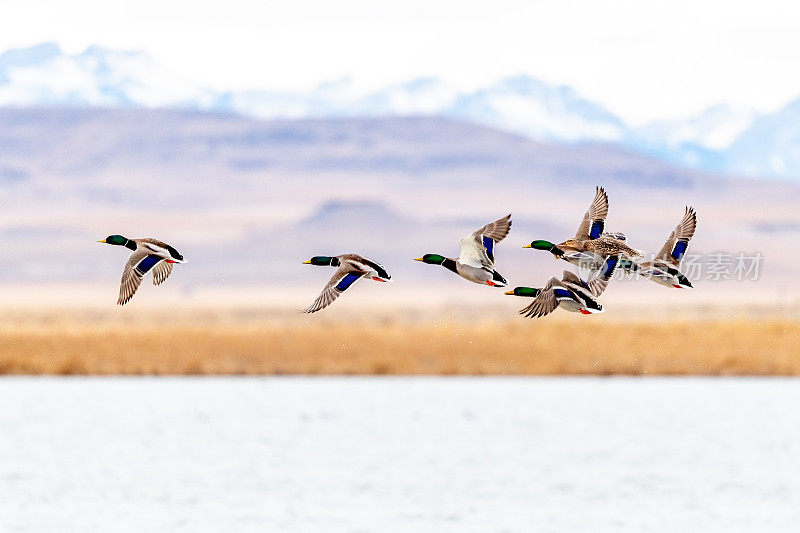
[{"x": 253, "y": 341}]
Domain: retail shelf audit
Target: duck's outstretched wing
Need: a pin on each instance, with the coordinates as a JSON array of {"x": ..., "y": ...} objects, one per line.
[
  {"x": 161, "y": 272},
  {"x": 678, "y": 240},
  {"x": 341, "y": 280},
  {"x": 139, "y": 263},
  {"x": 477, "y": 248},
  {"x": 602, "y": 278},
  {"x": 594, "y": 221},
  {"x": 572, "y": 278},
  {"x": 544, "y": 303},
  {"x": 496, "y": 230}
]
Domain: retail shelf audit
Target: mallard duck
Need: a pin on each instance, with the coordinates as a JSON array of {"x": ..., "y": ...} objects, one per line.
[
  {"x": 147, "y": 255},
  {"x": 588, "y": 260},
  {"x": 591, "y": 237},
  {"x": 476, "y": 260},
  {"x": 664, "y": 268},
  {"x": 350, "y": 268},
  {"x": 569, "y": 293}
]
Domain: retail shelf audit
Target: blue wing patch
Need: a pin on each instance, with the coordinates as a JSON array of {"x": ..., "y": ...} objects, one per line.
[
  {"x": 597, "y": 229},
  {"x": 562, "y": 293},
  {"x": 611, "y": 264},
  {"x": 617, "y": 235},
  {"x": 680, "y": 249},
  {"x": 147, "y": 263},
  {"x": 347, "y": 281},
  {"x": 489, "y": 245}
]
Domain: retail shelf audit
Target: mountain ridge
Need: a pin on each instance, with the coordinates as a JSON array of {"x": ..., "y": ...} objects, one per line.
[
  {"x": 244, "y": 199},
  {"x": 720, "y": 138}
]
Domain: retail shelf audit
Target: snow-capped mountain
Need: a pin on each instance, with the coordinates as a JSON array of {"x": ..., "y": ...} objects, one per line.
[
  {"x": 697, "y": 141},
  {"x": 714, "y": 128},
  {"x": 43, "y": 75},
  {"x": 519, "y": 104},
  {"x": 770, "y": 146},
  {"x": 525, "y": 105},
  {"x": 427, "y": 96},
  {"x": 721, "y": 138}
]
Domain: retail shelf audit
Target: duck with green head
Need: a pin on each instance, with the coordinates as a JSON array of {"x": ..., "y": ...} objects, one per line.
[
  {"x": 569, "y": 293},
  {"x": 146, "y": 255},
  {"x": 349, "y": 269},
  {"x": 476, "y": 260}
]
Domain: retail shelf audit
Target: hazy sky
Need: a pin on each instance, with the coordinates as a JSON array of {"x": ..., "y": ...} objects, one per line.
[{"x": 641, "y": 59}]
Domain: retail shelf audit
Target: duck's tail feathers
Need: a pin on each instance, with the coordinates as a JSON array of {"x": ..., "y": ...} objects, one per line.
[
  {"x": 498, "y": 280},
  {"x": 684, "y": 282}
]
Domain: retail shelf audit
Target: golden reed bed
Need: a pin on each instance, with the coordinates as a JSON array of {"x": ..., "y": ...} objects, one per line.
[{"x": 261, "y": 342}]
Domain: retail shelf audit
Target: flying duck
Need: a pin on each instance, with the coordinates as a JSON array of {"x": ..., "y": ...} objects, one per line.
[
  {"x": 146, "y": 255},
  {"x": 569, "y": 293},
  {"x": 349, "y": 269},
  {"x": 476, "y": 260},
  {"x": 664, "y": 269},
  {"x": 591, "y": 237}
]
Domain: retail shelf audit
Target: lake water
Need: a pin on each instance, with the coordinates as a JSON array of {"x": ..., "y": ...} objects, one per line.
[{"x": 399, "y": 454}]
